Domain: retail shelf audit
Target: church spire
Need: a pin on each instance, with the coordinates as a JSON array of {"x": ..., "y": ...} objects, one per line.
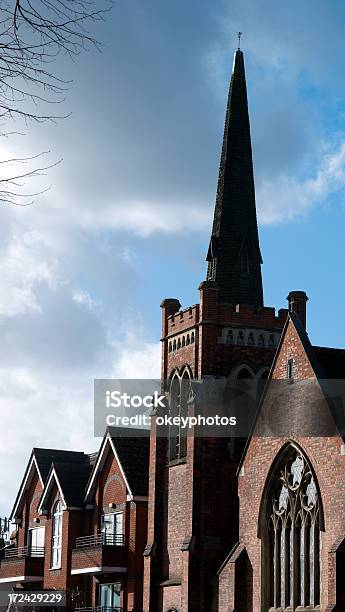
[{"x": 234, "y": 258}]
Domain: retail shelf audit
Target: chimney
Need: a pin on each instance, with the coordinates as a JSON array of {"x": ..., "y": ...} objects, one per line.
[
  {"x": 298, "y": 305},
  {"x": 169, "y": 306}
]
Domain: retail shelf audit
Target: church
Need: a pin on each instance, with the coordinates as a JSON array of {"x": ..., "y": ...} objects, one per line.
[
  {"x": 257, "y": 524},
  {"x": 205, "y": 523}
]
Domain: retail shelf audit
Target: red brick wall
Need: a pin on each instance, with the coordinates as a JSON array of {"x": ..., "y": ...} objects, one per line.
[
  {"x": 292, "y": 348},
  {"x": 110, "y": 488},
  {"x": 31, "y": 501},
  {"x": 171, "y": 597},
  {"x": 61, "y": 578}
]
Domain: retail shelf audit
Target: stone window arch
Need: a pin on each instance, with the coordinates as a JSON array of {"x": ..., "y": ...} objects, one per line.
[
  {"x": 179, "y": 393},
  {"x": 239, "y": 400},
  {"x": 290, "y": 524}
]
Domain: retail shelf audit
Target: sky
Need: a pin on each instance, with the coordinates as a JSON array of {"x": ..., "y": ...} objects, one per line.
[{"x": 127, "y": 218}]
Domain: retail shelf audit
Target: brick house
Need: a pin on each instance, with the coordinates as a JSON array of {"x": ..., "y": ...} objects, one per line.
[{"x": 81, "y": 524}]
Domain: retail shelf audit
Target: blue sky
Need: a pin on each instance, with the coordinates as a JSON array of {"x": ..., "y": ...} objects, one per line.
[{"x": 128, "y": 216}]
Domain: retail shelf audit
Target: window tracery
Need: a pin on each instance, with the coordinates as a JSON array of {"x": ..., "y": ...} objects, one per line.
[{"x": 293, "y": 540}]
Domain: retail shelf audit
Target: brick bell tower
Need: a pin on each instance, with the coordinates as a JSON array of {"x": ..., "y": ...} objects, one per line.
[{"x": 193, "y": 503}]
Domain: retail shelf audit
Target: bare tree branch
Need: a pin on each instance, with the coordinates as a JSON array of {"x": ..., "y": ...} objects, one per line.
[
  {"x": 33, "y": 33},
  {"x": 10, "y": 186}
]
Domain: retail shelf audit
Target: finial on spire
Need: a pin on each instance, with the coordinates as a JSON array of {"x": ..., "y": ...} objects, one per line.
[{"x": 239, "y": 34}]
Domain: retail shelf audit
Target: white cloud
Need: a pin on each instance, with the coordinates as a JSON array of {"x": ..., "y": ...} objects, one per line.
[
  {"x": 83, "y": 297},
  {"x": 285, "y": 197},
  {"x": 139, "y": 361},
  {"x": 56, "y": 410},
  {"x": 24, "y": 265},
  {"x": 141, "y": 218}
]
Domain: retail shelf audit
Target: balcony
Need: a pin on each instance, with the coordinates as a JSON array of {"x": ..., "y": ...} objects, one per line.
[
  {"x": 99, "y": 553},
  {"x": 103, "y": 539},
  {"x": 24, "y": 564}
]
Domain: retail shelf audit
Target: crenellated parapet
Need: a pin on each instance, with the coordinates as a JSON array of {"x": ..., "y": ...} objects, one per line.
[
  {"x": 182, "y": 320},
  {"x": 223, "y": 315},
  {"x": 241, "y": 315}
]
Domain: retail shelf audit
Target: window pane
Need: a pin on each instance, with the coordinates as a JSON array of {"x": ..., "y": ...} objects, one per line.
[
  {"x": 119, "y": 523},
  {"x": 110, "y": 595},
  {"x": 282, "y": 568},
  {"x": 56, "y": 542},
  {"x": 293, "y": 577},
  {"x": 301, "y": 567},
  {"x": 108, "y": 521}
]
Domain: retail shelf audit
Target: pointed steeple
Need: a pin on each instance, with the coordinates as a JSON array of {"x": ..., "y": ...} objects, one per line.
[{"x": 234, "y": 258}]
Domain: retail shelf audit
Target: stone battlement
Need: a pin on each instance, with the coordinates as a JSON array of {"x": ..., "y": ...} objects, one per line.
[
  {"x": 223, "y": 314},
  {"x": 183, "y": 319},
  {"x": 242, "y": 314}
]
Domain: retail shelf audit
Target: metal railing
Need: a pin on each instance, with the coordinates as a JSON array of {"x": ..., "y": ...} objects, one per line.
[
  {"x": 5, "y": 526},
  {"x": 12, "y": 552},
  {"x": 98, "y": 609},
  {"x": 107, "y": 609},
  {"x": 101, "y": 539}
]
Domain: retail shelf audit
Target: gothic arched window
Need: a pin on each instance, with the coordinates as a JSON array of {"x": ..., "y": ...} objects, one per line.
[
  {"x": 291, "y": 535},
  {"x": 179, "y": 394}
]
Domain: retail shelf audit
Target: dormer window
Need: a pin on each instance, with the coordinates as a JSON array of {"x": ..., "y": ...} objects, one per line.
[{"x": 244, "y": 261}]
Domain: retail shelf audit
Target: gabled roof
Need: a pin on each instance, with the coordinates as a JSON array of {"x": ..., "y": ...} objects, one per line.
[
  {"x": 70, "y": 476},
  {"x": 46, "y": 456},
  {"x": 40, "y": 461},
  {"x": 131, "y": 449},
  {"x": 327, "y": 364}
]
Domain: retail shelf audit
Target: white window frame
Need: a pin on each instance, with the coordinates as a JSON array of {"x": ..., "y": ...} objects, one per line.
[
  {"x": 56, "y": 540},
  {"x": 110, "y": 518},
  {"x": 31, "y": 531}
]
